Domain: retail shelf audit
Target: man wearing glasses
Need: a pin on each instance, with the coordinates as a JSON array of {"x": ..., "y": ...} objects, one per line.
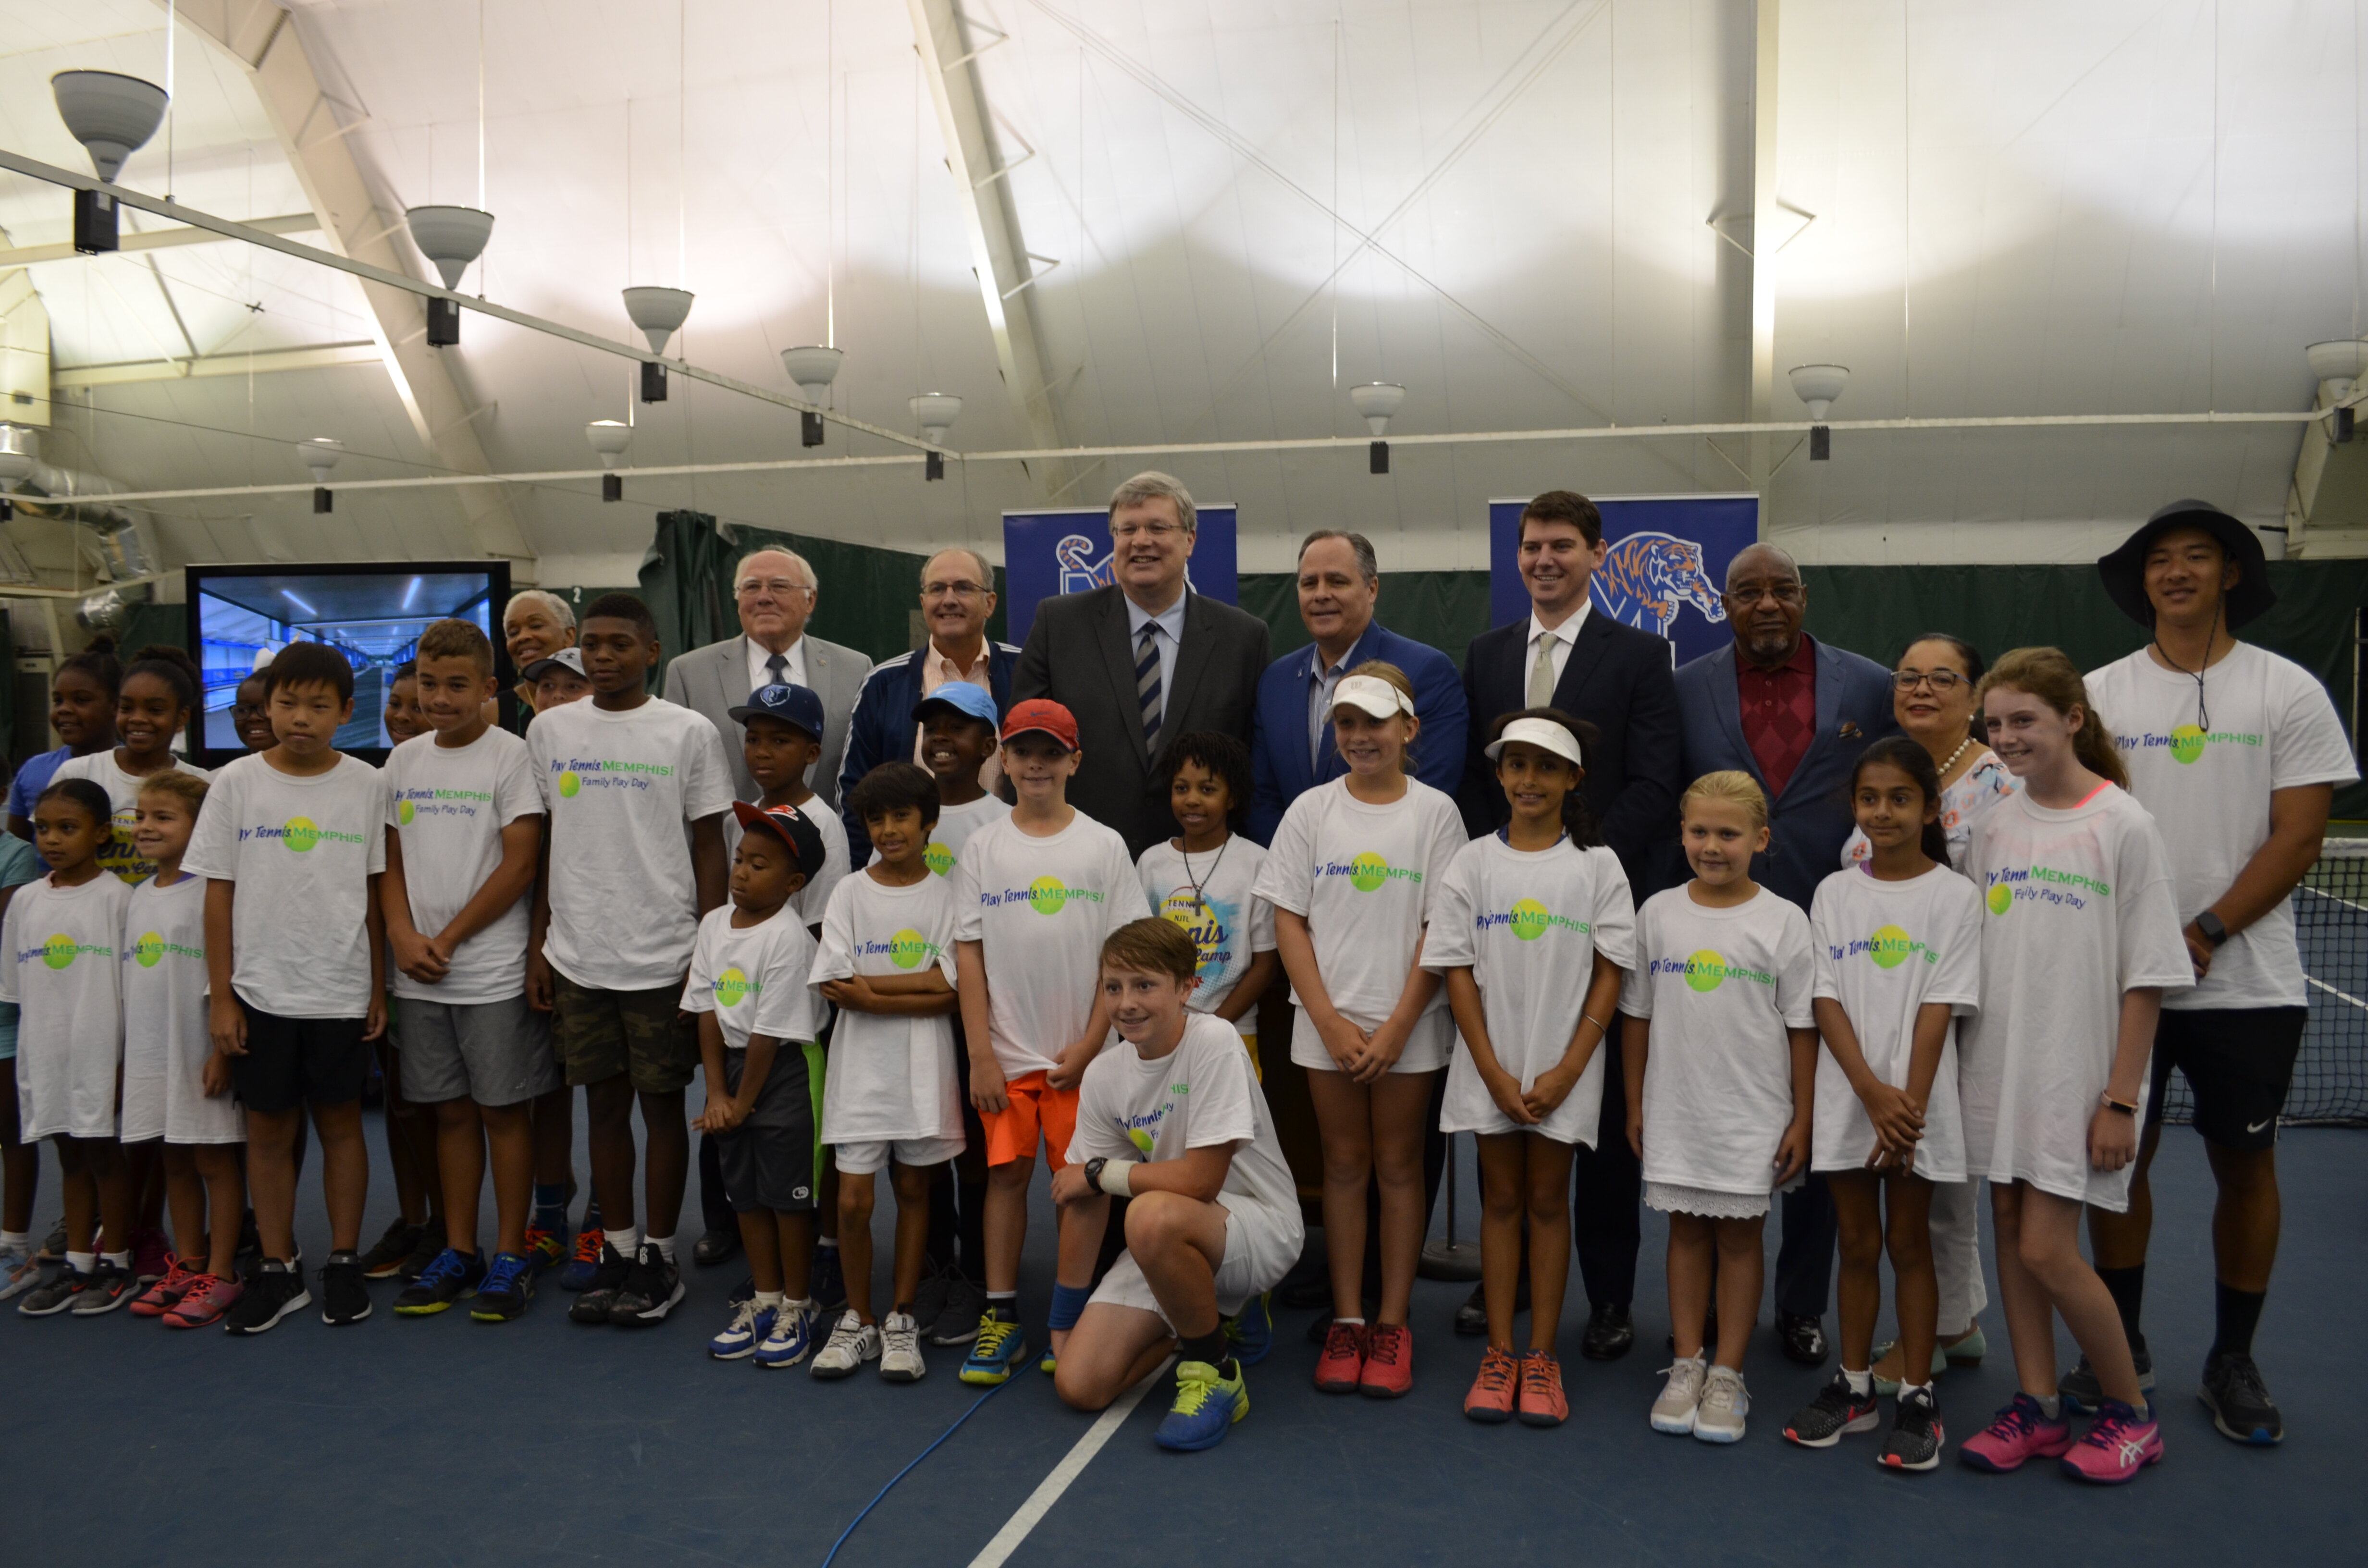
[
  {"x": 774, "y": 592},
  {"x": 1794, "y": 713}
]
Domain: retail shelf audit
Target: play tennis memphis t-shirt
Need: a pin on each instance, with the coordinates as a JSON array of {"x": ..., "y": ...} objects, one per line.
[
  {"x": 1040, "y": 909},
  {"x": 1529, "y": 924},
  {"x": 890, "y": 1077},
  {"x": 1365, "y": 878},
  {"x": 754, "y": 979},
  {"x": 117, "y": 854},
  {"x": 448, "y": 806},
  {"x": 955, "y": 824},
  {"x": 301, "y": 850},
  {"x": 1886, "y": 950},
  {"x": 165, "y": 1040},
  {"x": 623, "y": 789},
  {"x": 2077, "y": 910},
  {"x": 1720, "y": 986},
  {"x": 2272, "y": 728},
  {"x": 58, "y": 963},
  {"x": 1223, "y": 916}
]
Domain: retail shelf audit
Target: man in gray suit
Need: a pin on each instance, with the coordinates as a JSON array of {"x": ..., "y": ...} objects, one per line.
[
  {"x": 1142, "y": 661},
  {"x": 774, "y": 591}
]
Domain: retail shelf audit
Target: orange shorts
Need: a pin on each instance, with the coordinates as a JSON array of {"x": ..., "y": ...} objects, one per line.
[{"x": 1035, "y": 1106}]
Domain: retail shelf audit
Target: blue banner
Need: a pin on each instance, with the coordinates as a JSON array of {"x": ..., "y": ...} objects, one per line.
[
  {"x": 1068, "y": 551},
  {"x": 1666, "y": 560}
]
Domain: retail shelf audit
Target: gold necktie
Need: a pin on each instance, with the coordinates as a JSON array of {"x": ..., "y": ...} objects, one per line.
[{"x": 1542, "y": 673}]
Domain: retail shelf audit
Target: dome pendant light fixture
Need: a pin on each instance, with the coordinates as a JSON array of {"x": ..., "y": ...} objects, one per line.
[
  {"x": 936, "y": 414},
  {"x": 659, "y": 312},
  {"x": 112, "y": 116},
  {"x": 1375, "y": 402},
  {"x": 320, "y": 455},
  {"x": 1819, "y": 386},
  {"x": 814, "y": 367},
  {"x": 2338, "y": 364},
  {"x": 450, "y": 237},
  {"x": 610, "y": 438}
]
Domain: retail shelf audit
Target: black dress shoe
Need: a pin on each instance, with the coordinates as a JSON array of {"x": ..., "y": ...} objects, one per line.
[
  {"x": 714, "y": 1247},
  {"x": 1609, "y": 1334},
  {"x": 1472, "y": 1317},
  {"x": 1803, "y": 1339}
]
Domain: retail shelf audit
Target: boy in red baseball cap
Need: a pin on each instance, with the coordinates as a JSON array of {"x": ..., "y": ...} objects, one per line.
[{"x": 1036, "y": 894}]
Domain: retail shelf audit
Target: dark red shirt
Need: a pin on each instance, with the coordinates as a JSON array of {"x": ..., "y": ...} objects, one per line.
[{"x": 1780, "y": 712}]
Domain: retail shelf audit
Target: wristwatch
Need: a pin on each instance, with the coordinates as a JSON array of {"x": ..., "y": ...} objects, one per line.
[
  {"x": 2110, "y": 1103},
  {"x": 2214, "y": 932},
  {"x": 1094, "y": 1171}
]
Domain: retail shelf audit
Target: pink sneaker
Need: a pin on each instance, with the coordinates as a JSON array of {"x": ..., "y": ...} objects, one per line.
[
  {"x": 177, "y": 1278},
  {"x": 204, "y": 1302},
  {"x": 2021, "y": 1432},
  {"x": 2118, "y": 1445},
  {"x": 152, "y": 1259}
]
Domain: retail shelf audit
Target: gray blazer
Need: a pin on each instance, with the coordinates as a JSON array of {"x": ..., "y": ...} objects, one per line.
[{"x": 714, "y": 680}]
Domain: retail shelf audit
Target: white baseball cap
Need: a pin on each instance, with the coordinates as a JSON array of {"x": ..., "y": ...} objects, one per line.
[
  {"x": 1542, "y": 733},
  {"x": 1373, "y": 695}
]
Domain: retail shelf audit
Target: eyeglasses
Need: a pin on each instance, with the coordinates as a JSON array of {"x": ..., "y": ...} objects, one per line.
[
  {"x": 779, "y": 588},
  {"x": 959, "y": 590},
  {"x": 1943, "y": 682},
  {"x": 1752, "y": 592},
  {"x": 1123, "y": 531}
]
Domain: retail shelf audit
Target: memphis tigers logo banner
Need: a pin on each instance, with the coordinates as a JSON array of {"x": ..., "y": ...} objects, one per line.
[
  {"x": 1068, "y": 551},
  {"x": 1661, "y": 573}
]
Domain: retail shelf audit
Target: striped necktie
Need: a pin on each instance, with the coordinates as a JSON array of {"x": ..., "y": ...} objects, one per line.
[{"x": 1146, "y": 683}]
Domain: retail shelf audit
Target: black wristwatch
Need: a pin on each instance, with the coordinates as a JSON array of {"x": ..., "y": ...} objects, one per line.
[
  {"x": 1094, "y": 1171},
  {"x": 2214, "y": 931}
]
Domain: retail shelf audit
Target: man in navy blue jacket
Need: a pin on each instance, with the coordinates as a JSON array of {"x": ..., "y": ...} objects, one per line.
[
  {"x": 1794, "y": 714},
  {"x": 1292, "y": 752}
]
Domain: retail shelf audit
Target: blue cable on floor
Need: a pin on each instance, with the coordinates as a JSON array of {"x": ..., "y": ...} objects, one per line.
[{"x": 901, "y": 1474}]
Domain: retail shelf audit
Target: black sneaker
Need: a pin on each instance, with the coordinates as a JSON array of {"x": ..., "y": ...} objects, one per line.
[
  {"x": 592, "y": 1303},
  {"x": 2233, "y": 1391},
  {"x": 1916, "y": 1438},
  {"x": 55, "y": 1294},
  {"x": 425, "y": 1251},
  {"x": 345, "y": 1299},
  {"x": 1803, "y": 1339},
  {"x": 105, "y": 1288},
  {"x": 508, "y": 1288},
  {"x": 276, "y": 1291},
  {"x": 653, "y": 1287},
  {"x": 386, "y": 1254},
  {"x": 828, "y": 1287},
  {"x": 965, "y": 1304},
  {"x": 929, "y": 1302},
  {"x": 2081, "y": 1391},
  {"x": 451, "y": 1277},
  {"x": 1611, "y": 1334},
  {"x": 1838, "y": 1410}
]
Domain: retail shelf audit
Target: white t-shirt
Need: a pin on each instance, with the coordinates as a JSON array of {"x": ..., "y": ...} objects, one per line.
[
  {"x": 955, "y": 824},
  {"x": 1885, "y": 949},
  {"x": 890, "y": 1077},
  {"x": 1975, "y": 790},
  {"x": 58, "y": 950},
  {"x": 1365, "y": 878},
  {"x": 1040, "y": 908},
  {"x": 165, "y": 1040},
  {"x": 2272, "y": 728},
  {"x": 1199, "y": 1096},
  {"x": 302, "y": 850},
  {"x": 1223, "y": 916},
  {"x": 448, "y": 806},
  {"x": 622, "y": 788},
  {"x": 2080, "y": 910},
  {"x": 754, "y": 979},
  {"x": 1528, "y": 924},
  {"x": 814, "y": 897},
  {"x": 1722, "y": 986},
  {"x": 117, "y": 855}
]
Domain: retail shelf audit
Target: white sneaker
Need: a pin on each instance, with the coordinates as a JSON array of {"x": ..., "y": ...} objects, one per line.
[
  {"x": 900, "y": 1349},
  {"x": 852, "y": 1343},
  {"x": 1719, "y": 1419},
  {"x": 1674, "y": 1410},
  {"x": 19, "y": 1271}
]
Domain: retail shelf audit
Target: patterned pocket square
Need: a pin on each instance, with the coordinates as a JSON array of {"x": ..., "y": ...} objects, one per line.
[{"x": 1851, "y": 731}]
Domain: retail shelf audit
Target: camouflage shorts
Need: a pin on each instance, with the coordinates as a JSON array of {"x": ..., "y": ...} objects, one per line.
[{"x": 639, "y": 1033}]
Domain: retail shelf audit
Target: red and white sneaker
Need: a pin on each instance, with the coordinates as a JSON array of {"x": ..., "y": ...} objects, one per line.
[
  {"x": 1497, "y": 1387},
  {"x": 2020, "y": 1433},
  {"x": 1389, "y": 1361},
  {"x": 177, "y": 1278},
  {"x": 1342, "y": 1365},
  {"x": 202, "y": 1305},
  {"x": 2119, "y": 1444}
]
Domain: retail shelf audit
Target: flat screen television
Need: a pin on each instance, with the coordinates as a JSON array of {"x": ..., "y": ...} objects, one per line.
[{"x": 239, "y": 617}]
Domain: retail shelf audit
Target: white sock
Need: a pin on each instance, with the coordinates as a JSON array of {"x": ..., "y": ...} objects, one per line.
[
  {"x": 2051, "y": 1406},
  {"x": 15, "y": 1241},
  {"x": 769, "y": 1298},
  {"x": 1863, "y": 1383},
  {"x": 828, "y": 1242},
  {"x": 1907, "y": 1389},
  {"x": 120, "y": 1259},
  {"x": 2144, "y": 1408},
  {"x": 664, "y": 1245},
  {"x": 1357, "y": 1323},
  {"x": 82, "y": 1262},
  {"x": 627, "y": 1239}
]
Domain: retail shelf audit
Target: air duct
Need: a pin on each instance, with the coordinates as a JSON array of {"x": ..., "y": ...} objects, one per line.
[{"x": 64, "y": 495}]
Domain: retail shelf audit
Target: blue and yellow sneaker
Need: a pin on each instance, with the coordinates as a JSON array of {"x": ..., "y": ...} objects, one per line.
[
  {"x": 508, "y": 1288},
  {"x": 1251, "y": 1334},
  {"x": 1207, "y": 1404},
  {"x": 449, "y": 1277},
  {"x": 1000, "y": 1347},
  {"x": 1049, "y": 1362}
]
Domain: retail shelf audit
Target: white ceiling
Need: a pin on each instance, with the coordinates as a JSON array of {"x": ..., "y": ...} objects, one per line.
[{"x": 2018, "y": 208}]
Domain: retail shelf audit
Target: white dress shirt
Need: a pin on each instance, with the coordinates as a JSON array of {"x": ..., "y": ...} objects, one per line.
[
  {"x": 1321, "y": 683},
  {"x": 1565, "y": 638},
  {"x": 1170, "y": 622},
  {"x": 759, "y": 675}
]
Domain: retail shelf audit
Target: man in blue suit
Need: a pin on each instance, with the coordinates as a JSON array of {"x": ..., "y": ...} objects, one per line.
[
  {"x": 1794, "y": 714},
  {"x": 1292, "y": 751}
]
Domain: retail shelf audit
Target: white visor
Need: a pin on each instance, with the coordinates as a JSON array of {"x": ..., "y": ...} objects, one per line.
[
  {"x": 1542, "y": 733},
  {"x": 1373, "y": 695}
]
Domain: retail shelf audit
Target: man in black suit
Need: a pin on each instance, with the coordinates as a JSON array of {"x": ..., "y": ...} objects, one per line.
[
  {"x": 1569, "y": 656},
  {"x": 1142, "y": 661}
]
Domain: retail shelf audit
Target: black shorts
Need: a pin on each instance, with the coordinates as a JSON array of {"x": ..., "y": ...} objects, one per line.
[
  {"x": 295, "y": 1061},
  {"x": 2239, "y": 1061},
  {"x": 769, "y": 1160}
]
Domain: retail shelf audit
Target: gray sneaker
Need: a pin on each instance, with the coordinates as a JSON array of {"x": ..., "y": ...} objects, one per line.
[
  {"x": 929, "y": 1301},
  {"x": 965, "y": 1304},
  {"x": 56, "y": 1294},
  {"x": 1719, "y": 1417},
  {"x": 852, "y": 1343},
  {"x": 105, "y": 1288},
  {"x": 900, "y": 1350},
  {"x": 2083, "y": 1393},
  {"x": 1674, "y": 1412}
]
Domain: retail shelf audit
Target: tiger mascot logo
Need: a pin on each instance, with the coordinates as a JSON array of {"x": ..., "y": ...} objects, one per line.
[
  {"x": 1645, "y": 578},
  {"x": 1080, "y": 572}
]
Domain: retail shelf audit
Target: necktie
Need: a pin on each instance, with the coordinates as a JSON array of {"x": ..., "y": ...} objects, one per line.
[
  {"x": 1542, "y": 673},
  {"x": 777, "y": 669},
  {"x": 1146, "y": 684}
]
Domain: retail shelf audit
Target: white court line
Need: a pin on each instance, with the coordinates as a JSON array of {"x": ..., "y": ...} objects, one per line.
[
  {"x": 2305, "y": 887},
  {"x": 2331, "y": 991},
  {"x": 1048, "y": 1492}
]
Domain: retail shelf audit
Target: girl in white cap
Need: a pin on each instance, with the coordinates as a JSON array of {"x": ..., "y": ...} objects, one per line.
[
  {"x": 1353, "y": 873},
  {"x": 1533, "y": 929}
]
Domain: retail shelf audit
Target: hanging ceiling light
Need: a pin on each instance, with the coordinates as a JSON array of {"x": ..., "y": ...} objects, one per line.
[
  {"x": 936, "y": 414},
  {"x": 609, "y": 438},
  {"x": 320, "y": 455},
  {"x": 659, "y": 312},
  {"x": 450, "y": 237},
  {"x": 2338, "y": 364},
  {"x": 112, "y": 116},
  {"x": 1819, "y": 386},
  {"x": 1376, "y": 401},
  {"x": 814, "y": 367}
]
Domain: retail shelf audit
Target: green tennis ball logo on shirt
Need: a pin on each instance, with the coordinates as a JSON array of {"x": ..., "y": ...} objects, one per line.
[
  {"x": 732, "y": 985},
  {"x": 1530, "y": 919},
  {"x": 1140, "y": 1139},
  {"x": 1705, "y": 969},
  {"x": 1368, "y": 871},
  {"x": 149, "y": 950},
  {"x": 2001, "y": 898},
  {"x": 404, "y": 813},
  {"x": 303, "y": 833},
  {"x": 1890, "y": 946},
  {"x": 570, "y": 786},
  {"x": 2186, "y": 744},
  {"x": 938, "y": 858},
  {"x": 907, "y": 948},
  {"x": 1046, "y": 895},
  {"x": 59, "y": 950}
]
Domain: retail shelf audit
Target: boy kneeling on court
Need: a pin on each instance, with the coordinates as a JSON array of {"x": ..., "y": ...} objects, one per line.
[{"x": 1175, "y": 1122}]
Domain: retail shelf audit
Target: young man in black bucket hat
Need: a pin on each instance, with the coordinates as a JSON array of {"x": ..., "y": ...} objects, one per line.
[{"x": 2237, "y": 752}]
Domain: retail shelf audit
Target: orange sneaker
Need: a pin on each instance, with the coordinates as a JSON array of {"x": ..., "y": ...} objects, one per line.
[
  {"x": 1491, "y": 1399},
  {"x": 1342, "y": 1365},
  {"x": 1389, "y": 1361},
  {"x": 1542, "y": 1403}
]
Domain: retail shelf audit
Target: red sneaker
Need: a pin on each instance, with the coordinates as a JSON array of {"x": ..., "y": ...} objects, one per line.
[
  {"x": 1389, "y": 1361},
  {"x": 1542, "y": 1403},
  {"x": 169, "y": 1287},
  {"x": 1491, "y": 1399},
  {"x": 1342, "y": 1365},
  {"x": 204, "y": 1302}
]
